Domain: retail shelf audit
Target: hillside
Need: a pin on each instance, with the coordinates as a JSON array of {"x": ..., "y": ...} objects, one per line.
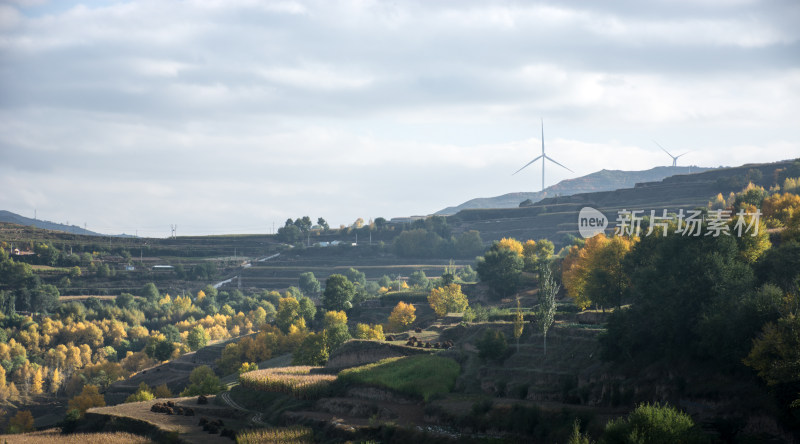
[
  {"x": 556, "y": 218},
  {"x": 13, "y": 218},
  {"x": 603, "y": 180}
]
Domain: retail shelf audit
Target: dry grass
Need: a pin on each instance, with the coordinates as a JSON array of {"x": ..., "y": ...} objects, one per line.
[
  {"x": 104, "y": 297},
  {"x": 282, "y": 435},
  {"x": 295, "y": 381},
  {"x": 54, "y": 436}
]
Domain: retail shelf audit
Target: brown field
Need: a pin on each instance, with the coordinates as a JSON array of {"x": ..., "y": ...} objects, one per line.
[{"x": 54, "y": 436}]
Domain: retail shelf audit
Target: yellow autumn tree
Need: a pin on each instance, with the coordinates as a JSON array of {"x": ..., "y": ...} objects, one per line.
[
  {"x": 22, "y": 422},
  {"x": 3, "y": 385},
  {"x": 89, "y": 397},
  {"x": 511, "y": 244},
  {"x": 401, "y": 317},
  {"x": 333, "y": 318},
  {"x": 448, "y": 299},
  {"x": 718, "y": 203},
  {"x": 13, "y": 392},
  {"x": 55, "y": 380},
  {"x": 37, "y": 381},
  {"x": 519, "y": 323},
  {"x": 371, "y": 332},
  {"x": 778, "y": 209},
  {"x": 593, "y": 274}
]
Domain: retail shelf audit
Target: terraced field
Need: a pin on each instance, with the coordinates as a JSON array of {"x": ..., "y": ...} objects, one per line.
[
  {"x": 556, "y": 217},
  {"x": 284, "y": 271}
]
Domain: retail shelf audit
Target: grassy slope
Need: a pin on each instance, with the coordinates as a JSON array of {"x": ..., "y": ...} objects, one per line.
[{"x": 422, "y": 375}]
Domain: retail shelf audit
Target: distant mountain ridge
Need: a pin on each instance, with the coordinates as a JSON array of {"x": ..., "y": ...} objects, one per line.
[
  {"x": 13, "y": 218},
  {"x": 603, "y": 180}
]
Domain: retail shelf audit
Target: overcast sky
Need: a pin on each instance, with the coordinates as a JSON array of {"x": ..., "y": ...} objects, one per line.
[{"x": 224, "y": 116}]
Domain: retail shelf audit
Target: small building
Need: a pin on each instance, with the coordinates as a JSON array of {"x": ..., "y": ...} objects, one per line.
[{"x": 162, "y": 267}]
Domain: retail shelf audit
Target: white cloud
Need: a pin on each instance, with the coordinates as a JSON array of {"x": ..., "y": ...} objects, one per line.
[{"x": 225, "y": 115}]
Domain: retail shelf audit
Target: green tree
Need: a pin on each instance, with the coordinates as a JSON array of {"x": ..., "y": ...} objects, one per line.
[
  {"x": 290, "y": 234},
  {"x": 339, "y": 291},
  {"x": 288, "y": 313},
  {"x": 500, "y": 268},
  {"x": 417, "y": 243},
  {"x": 203, "y": 381},
  {"x": 546, "y": 312},
  {"x": 159, "y": 349},
  {"x": 307, "y": 309},
  {"x": 171, "y": 333},
  {"x": 544, "y": 250},
  {"x": 356, "y": 277},
  {"x": 125, "y": 300},
  {"x": 776, "y": 354},
  {"x": 674, "y": 281},
  {"x": 197, "y": 339},
  {"x": 418, "y": 279},
  {"x": 469, "y": 244},
  {"x": 323, "y": 223},
  {"x": 150, "y": 292},
  {"x": 385, "y": 281},
  {"x": 309, "y": 284},
  {"x": 492, "y": 345},
  {"x": 44, "y": 298},
  {"x": 312, "y": 351},
  {"x": 304, "y": 224},
  {"x": 336, "y": 331}
]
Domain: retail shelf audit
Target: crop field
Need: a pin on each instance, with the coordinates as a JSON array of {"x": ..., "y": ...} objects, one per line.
[
  {"x": 296, "y": 381},
  {"x": 278, "y": 435},
  {"x": 54, "y": 436}
]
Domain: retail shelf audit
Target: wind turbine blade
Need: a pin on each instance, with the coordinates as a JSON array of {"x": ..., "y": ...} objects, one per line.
[
  {"x": 562, "y": 166},
  {"x": 542, "y": 137},
  {"x": 662, "y": 148},
  {"x": 526, "y": 165},
  {"x": 683, "y": 154}
]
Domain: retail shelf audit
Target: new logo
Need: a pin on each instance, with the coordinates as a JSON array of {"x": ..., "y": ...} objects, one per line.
[{"x": 591, "y": 222}]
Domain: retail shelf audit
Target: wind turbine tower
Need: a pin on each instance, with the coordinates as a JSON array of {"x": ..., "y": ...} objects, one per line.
[
  {"x": 544, "y": 157},
  {"x": 674, "y": 158}
]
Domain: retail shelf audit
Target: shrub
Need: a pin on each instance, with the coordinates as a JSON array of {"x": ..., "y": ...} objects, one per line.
[
  {"x": 143, "y": 393},
  {"x": 653, "y": 423},
  {"x": 492, "y": 345}
]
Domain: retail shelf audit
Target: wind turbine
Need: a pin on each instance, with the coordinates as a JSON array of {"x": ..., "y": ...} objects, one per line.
[
  {"x": 674, "y": 158},
  {"x": 543, "y": 157}
]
